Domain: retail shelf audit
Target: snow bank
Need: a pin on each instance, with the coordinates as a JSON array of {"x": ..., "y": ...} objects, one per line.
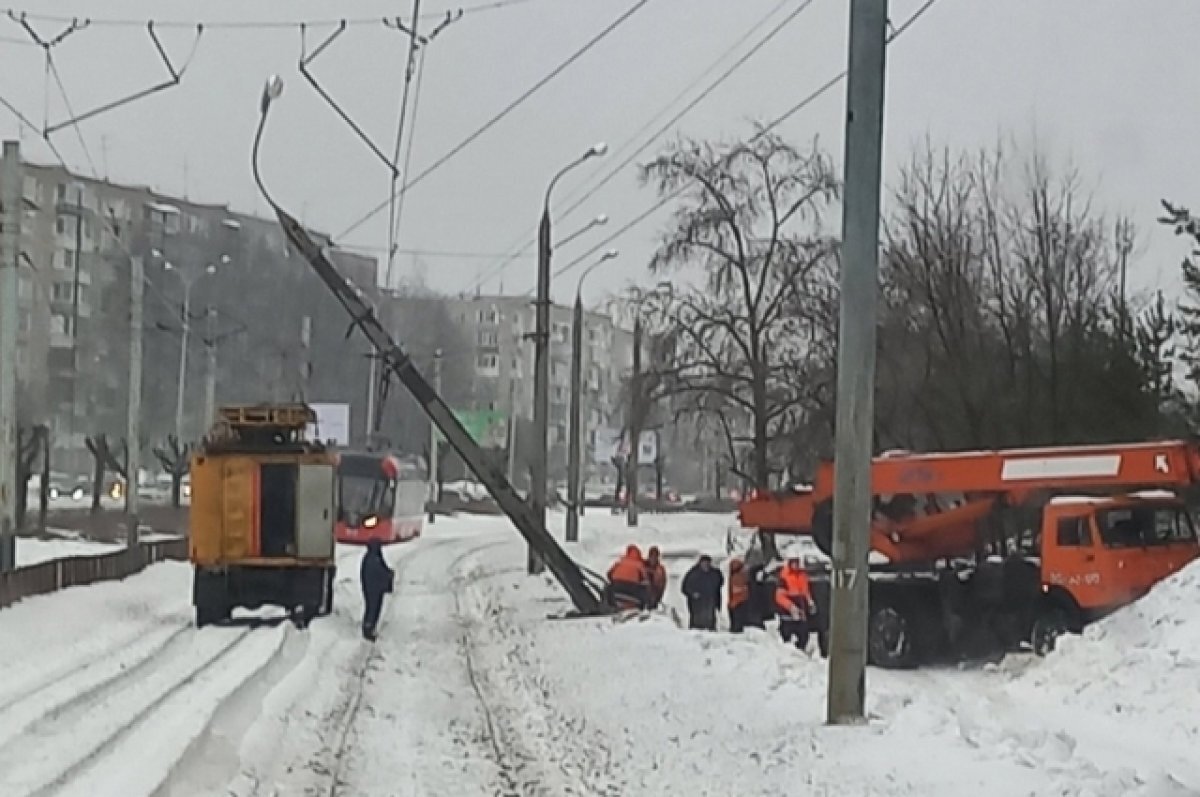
[{"x": 31, "y": 551}]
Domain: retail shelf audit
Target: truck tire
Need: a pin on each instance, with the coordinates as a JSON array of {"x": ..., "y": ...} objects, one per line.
[
  {"x": 822, "y": 527},
  {"x": 891, "y": 636},
  {"x": 1051, "y": 623},
  {"x": 210, "y": 614}
]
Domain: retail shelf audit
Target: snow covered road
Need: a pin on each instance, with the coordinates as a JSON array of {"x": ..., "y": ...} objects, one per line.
[{"x": 470, "y": 690}]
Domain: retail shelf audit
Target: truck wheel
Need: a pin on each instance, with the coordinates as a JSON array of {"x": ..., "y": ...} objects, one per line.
[
  {"x": 890, "y": 638},
  {"x": 1052, "y": 623},
  {"x": 208, "y": 614}
]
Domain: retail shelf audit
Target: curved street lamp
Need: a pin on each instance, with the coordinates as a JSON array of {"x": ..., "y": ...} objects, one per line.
[
  {"x": 574, "y": 441},
  {"x": 541, "y": 370}
]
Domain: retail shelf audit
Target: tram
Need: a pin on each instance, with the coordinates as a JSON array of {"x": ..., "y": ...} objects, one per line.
[{"x": 380, "y": 497}]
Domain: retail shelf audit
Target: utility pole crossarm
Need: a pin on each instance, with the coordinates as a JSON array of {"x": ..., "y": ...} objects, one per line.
[{"x": 583, "y": 593}]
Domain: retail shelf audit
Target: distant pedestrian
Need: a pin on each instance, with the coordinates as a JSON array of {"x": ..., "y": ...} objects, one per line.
[
  {"x": 702, "y": 588},
  {"x": 377, "y": 580},
  {"x": 656, "y": 577}
]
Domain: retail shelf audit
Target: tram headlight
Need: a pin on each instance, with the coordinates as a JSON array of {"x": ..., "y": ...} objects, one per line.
[{"x": 370, "y": 522}]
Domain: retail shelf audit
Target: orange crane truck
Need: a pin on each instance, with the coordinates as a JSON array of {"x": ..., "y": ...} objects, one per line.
[{"x": 990, "y": 549}]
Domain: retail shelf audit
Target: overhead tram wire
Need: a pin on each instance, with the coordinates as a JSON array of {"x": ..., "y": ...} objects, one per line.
[
  {"x": 409, "y": 65},
  {"x": 665, "y": 128},
  {"x": 477, "y": 8},
  {"x": 512, "y": 106},
  {"x": 788, "y": 114}
]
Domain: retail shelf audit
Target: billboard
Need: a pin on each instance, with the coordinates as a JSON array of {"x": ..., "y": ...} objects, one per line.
[
  {"x": 488, "y": 428},
  {"x": 333, "y": 424},
  {"x": 614, "y": 444}
]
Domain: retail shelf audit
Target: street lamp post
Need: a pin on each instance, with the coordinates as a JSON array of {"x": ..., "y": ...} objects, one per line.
[
  {"x": 541, "y": 351},
  {"x": 541, "y": 371},
  {"x": 181, "y": 384},
  {"x": 575, "y": 495}
]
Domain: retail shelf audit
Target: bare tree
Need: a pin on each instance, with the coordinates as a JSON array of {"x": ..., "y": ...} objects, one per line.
[{"x": 749, "y": 225}]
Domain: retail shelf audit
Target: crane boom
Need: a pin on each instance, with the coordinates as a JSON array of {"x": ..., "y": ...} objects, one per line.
[{"x": 584, "y": 594}]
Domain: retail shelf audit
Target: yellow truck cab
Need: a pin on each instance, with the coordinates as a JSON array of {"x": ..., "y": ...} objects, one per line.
[{"x": 263, "y": 514}]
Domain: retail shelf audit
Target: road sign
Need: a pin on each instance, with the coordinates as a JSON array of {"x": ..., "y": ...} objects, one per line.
[{"x": 333, "y": 424}]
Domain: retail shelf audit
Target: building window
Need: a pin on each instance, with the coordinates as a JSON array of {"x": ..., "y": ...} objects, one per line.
[
  {"x": 24, "y": 288},
  {"x": 64, "y": 259},
  {"x": 24, "y": 322},
  {"x": 562, "y": 332},
  {"x": 62, "y": 324},
  {"x": 61, "y": 291},
  {"x": 488, "y": 363},
  {"x": 487, "y": 338},
  {"x": 61, "y": 226}
]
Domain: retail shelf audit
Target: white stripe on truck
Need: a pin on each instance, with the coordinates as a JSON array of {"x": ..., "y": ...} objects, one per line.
[{"x": 1060, "y": 467}]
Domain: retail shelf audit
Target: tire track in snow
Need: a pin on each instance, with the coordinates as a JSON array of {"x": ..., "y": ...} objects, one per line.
[
  {"x": 63, "y": 744},
  {"x": 84, "y": 683},
  {"x": 538, "y": 749}
]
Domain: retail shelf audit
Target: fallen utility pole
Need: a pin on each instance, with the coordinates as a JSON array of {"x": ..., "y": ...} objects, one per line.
[
  {"x": 584, "y": 594},
  {"x": 856, "y": 363}
]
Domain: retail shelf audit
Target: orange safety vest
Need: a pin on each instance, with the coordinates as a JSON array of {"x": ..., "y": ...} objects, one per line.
[
  {"x": 739, "y": 585},
  {"x": 793, "y": 591}
]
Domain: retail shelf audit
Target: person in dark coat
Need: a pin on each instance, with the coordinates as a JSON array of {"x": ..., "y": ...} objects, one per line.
[
  {"x": 702, "y": 588},
  {"x": 377, "y": 579}
]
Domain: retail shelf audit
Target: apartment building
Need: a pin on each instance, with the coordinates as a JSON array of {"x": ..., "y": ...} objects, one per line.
[
  {"x": 78, "y": 235},
  {"x": 500, "y": 330}
]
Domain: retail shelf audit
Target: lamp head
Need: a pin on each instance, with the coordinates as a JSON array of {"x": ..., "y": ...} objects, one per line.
[
  {"x": 271, "y": 92},
  {"x": 598, "y": 150}
]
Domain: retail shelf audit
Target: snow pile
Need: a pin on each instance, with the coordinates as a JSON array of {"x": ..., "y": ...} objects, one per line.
[{"x": 32, "y": 551}]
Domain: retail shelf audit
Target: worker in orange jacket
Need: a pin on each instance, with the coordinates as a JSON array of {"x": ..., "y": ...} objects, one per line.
[
  {"x": 628, "y": 585},
  {"x": 656, "y": 577},
  {"x": 739, "y": 595},
  {"x": 794, "y": 603}
]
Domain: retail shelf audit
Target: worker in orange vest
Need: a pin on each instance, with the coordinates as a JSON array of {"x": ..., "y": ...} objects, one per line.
[
  {"x": 739, "y": 595},
  {"x": 794, "y": 603},
  {"x": 656, "y": 577},
  {"x": 627, "y": 580}
]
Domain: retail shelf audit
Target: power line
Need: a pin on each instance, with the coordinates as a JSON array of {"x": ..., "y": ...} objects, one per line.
[
  {"x": 496, "y": 5},
  {"x": 512, "y": 106},
  {"x": 614, "y": 171},
  {"x": 789, "y": 113}
]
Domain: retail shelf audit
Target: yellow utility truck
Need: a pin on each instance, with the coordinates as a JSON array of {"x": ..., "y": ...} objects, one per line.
[{"x": 263, "y": 514}]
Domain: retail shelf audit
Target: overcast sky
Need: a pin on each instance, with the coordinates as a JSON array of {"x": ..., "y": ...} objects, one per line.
[{"x": 1105, "y": 84}]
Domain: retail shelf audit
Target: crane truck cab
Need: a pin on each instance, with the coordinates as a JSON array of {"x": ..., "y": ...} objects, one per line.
[{"x": 1099, "y": 553}]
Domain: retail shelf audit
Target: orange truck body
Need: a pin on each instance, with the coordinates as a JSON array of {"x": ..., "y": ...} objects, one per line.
[{"x": 1068, "y": 508}]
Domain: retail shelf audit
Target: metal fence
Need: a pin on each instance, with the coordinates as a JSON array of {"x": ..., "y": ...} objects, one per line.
[{"x": 77, "y": 571}]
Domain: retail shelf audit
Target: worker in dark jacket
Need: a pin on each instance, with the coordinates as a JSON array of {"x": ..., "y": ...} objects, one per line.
[
  {"x": 377, "y": 579},
  {"x": 702, "y": 588}
]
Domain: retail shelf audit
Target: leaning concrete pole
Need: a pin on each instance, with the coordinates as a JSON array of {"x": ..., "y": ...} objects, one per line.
[{"x": 10, "y": 250}]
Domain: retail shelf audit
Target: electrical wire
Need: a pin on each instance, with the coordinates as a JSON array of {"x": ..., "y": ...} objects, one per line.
[
  {"x": 409, "y": 64},
  {"x": 496, "y": 5},
  {"x": 512, "y": 106},
  {"x": 788, "y": 114},
  {"x": 670, "y": 123},
  {"x": 412, "y": 132}
]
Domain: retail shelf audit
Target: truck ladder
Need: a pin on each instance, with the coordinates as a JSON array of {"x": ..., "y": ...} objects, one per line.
[{"x": 584, "y": 594}]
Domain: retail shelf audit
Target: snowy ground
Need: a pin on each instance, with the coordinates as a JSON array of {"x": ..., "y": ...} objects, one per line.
[{"x": 470, "y": 690}]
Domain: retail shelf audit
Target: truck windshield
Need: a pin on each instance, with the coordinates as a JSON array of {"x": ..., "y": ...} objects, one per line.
[{"x": 1137, "y": 527}]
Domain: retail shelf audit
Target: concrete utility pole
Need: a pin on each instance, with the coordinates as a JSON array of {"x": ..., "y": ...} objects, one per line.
[
  {"x": 541, "y": 364},
  {"x": 210, "y": 373},
  {"x": 10, "y": 249},
  {"x": 512, "y": 430},
  {"x": 133, "y": 417},
  {"x": 305, "y": 355},
  {"x": 635, "y": 427},
  {"x": 575, "y": 491},
  {"x": 541, "y": 380},
  {"x": 75, "y": 290},
  {"x": 433, "y": 440},
  {"x": 370, "y": 427},
  {"x": 856, "y": 362}
]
